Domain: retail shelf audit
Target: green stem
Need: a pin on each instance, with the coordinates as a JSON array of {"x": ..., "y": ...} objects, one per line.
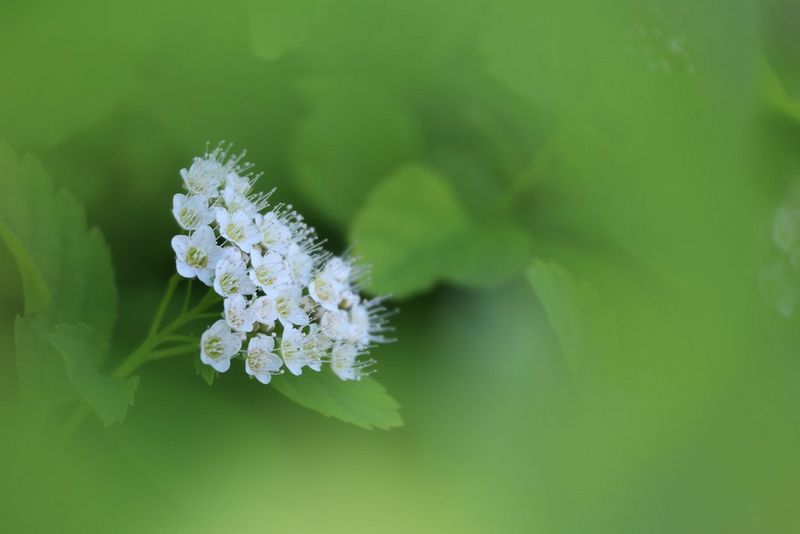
[
  {"x": 174, "y": 351},
  {"x": 188, "y": 298},
  {"x": 149, "y": 350},
  {"x": 178, "y": 339},
  {"x": 162, "y": 308}
]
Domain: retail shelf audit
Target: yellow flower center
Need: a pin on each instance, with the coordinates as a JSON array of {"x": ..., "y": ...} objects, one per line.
[
  {"x": 229, "y": 283},
  {"x": 257, "y": 359},
  {"x": 214, "y": 348},
  {"x": 235, "y": 232},
  {"x": 189, "y": 217},
  {"x": 196, "y": 258},
  {"x": 283, "y": 306}
]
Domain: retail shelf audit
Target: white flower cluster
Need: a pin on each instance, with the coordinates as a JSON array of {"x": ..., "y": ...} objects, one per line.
[{"x": 287, "y": 301}]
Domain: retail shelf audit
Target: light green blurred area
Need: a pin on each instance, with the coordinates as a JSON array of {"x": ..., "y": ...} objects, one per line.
[{"x": 632, "y": 380}]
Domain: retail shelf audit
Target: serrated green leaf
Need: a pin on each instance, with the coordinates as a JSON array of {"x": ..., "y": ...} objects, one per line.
[
  {"x": 585, "y": 326},
  {"x": 65, "y": 265},
  {"x": 43, "y": 386},
  {"x": 414, "y": 231},
  {"x": 363, "y": 403},
  {"x": 67, "y": 279},
  {"x": 108, "y": 396}
]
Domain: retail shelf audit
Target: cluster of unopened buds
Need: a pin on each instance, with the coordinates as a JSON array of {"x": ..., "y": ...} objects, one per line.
[{"x": 287, "y": 302}]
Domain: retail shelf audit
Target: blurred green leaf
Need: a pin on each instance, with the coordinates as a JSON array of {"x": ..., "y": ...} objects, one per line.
[
  {"x": 36, "y": 294},
  {"x": 363, "y": 403},
  {"x": 108, "y": 396},
  {"x": 352, "y": 136},
  {"x": 775, "y": 93},
  {"x": 43, "y": 385},
  {"x": 413, "y": 231},
  {"x": 51, "y": 91},
  {"x": 542, "y": 51},
  {"x": 56, "y": 253},
  {"x": 585, "y": 326},
  {"x": 280, "y": 26},
  {"x": 488, "y": 253},
  {"x": 406, "y": 228},
  {"x": 68, "y": 279}
]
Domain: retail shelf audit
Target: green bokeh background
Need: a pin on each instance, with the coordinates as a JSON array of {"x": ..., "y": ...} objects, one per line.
[{"x": 641, "y": 147}]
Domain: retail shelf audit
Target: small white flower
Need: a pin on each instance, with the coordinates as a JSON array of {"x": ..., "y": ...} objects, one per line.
[
  {"x": 236, "y": 202},
  {"x": 261, "y": 361},
  {"x": 336, "y": 325},
  {"x": 326, "y": 290},
  {"x": 204, "y": 177},
  {"x": 287, "y": 304},
  {"x": 331, "y": 285},
  {"x": 264, "y": 310},
  {"x": 237, "y": 183},
  {"x": 292, "y": 350},
  {"x": 345, "y": 363},
  {"x": 315, "y": 347},
  {"x": 231, "y": 277},
  {"x": 218, "y": 345},
  {"x": 349, "y": 299},
  {"x": 238, "y": 315},
  {"x": 300, "y": 263},
  {"x": 238, "y": 228},
  {"x": 361, "y": 324},
  {"x": 368, "y": 323},
  {"x": 275, "y": 235},
  {"x": 339, "y": 270},
  {"x": 269, "y": 272},
  {"x": 191, "y": 212},
  {"x": 197, "y": 254}
]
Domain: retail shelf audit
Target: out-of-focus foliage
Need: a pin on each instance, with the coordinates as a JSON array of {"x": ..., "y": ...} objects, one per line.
[
  {"x": 585, "y": 326},
  {"x": 108, "y": 396},
  {"x": 67, "y": 277},
  {"x": 414, "y": 232},
  {"x": 570, "y": 201}
]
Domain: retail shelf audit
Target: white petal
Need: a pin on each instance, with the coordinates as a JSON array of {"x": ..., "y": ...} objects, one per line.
[
  {"x": 205, "y": 275},
  {"x": 178, "y": 201},
  {"x": 295, "y": 369},
  {"x": 221, "y": 365},
  {"x": 180, "y": 244},
  {"x": 204, "y": 238},
  {"x": 264, "y": 377},
  {"x": 184, "y": 269},
  {"x": 298, "y": 316}
]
